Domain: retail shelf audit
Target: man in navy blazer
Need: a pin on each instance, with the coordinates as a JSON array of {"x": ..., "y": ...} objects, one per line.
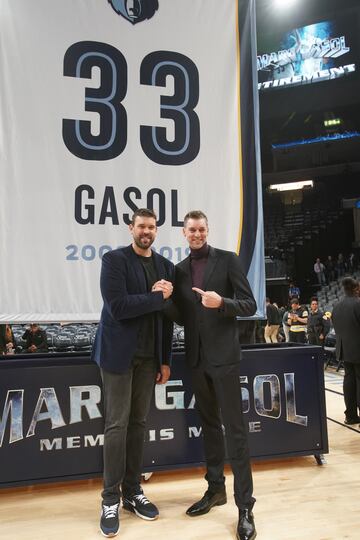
[{"x": 132, "y": 348}]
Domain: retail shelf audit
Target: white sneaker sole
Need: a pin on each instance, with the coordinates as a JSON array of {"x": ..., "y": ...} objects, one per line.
[
  {"x": 134, "y": 511},
  {"x": 110, "y": 535}
]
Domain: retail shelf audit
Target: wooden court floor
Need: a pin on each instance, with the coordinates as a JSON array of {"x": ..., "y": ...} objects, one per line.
[{"x": 296, "y": 499}]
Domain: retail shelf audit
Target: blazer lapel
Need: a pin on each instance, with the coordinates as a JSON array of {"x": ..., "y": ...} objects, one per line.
[
  {"x": 138, "y": 269},
  {"x": 209, "y": 268},
  {"x": 158, "y": 317},
  {"x": 185, "y": 267},
  {"x": 183, "y": 271},
  {"x": 159, "y": 267},
  {"x": 210, "y": 265}
]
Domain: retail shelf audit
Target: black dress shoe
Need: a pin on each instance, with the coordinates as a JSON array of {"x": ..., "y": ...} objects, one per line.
[
  {"x": 246, "y": 526},
  {"x": 352, "y": 421},
  {"x": 206, "y": 503}
]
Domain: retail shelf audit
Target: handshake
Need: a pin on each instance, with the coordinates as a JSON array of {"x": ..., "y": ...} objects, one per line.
[{"x": 164, "y": 286}]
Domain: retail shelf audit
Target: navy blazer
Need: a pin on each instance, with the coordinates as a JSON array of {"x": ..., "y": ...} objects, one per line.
[
  {"x": 216, "y": 329},
  {"x": 126, "y": 299}
]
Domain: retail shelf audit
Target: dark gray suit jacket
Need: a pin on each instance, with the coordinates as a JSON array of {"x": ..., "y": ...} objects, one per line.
[
  {"x": 346, "y": 320},
  {"x": 216, "y": 329}
]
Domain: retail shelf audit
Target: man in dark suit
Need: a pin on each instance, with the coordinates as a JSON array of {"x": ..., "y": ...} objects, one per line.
[
  {"x": 132, "y": 348},
  {"x": 346, "y": 320},
  {"x": 210, "y": 292},
  {"x": 318, "y": 324}
]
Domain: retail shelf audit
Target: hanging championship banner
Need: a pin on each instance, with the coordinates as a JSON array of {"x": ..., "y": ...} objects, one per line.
[{"x": 111, "y": 105}]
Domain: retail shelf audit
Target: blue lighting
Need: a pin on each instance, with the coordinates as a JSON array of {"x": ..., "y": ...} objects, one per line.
[{"x": 326, "y": 138}]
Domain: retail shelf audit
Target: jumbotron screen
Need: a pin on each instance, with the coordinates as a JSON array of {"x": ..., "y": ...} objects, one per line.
[{"x": 318, "y": 52}]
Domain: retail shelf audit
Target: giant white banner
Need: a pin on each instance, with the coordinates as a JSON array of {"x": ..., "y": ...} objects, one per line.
[{"x": 110, "y": 105}]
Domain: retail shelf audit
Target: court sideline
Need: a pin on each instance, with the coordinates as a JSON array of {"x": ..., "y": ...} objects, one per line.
[{"x": 297, "y": 499}]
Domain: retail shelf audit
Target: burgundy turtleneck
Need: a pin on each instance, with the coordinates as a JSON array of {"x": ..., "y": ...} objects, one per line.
[{"x": 198, "y": 260}]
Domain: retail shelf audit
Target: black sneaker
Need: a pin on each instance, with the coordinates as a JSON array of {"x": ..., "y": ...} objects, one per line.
[
  {"x": 141, "y": 506},
  {"x": 109, "y": 522}
]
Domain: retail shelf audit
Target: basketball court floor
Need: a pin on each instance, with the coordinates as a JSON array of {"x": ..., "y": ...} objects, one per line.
[{"x": 296, "y": 498}]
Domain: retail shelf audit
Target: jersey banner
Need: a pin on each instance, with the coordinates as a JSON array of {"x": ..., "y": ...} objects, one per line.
[{"x": 107, "y": 106}]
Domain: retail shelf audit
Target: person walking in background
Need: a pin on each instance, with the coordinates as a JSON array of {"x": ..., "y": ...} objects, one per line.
[
  {"x": 210, "y": 292},
  {"x": 352, "y": 262},
  {"x": 346, "y": 321},
  {"x": 273, "y": 324},
  {"x": 132, "y": 348},
  {"x": 330, "y": 269},
  {"x": 340, "y": 265},
  {"x": 319, "y": 270}
]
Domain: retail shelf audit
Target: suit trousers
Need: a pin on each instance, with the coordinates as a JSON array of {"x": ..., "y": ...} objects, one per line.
[
  {"x": 352, "y": 390},
  {"x": 127, "y": 398},
  {"x": 218, "y": 388}
]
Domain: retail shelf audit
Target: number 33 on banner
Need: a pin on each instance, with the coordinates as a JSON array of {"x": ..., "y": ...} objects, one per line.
[{"x": 106, "y": 100}]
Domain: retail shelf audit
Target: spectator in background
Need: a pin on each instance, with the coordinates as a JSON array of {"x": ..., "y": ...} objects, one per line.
[
  {"x": 346, "y": 321},
  {"x": 340, "y": 265},
  {"x": 282, "y": 310},
  {"x": 352, "y": 263},
  {"x": 272, "y": 325},
  {"x": 330, "y": 269},
  {"x": 297, "y": 320},
  {"x": 280, "y": 313},
  {"x": 7, "y": 340},
  {"x": 294, "y": 291},
  {"x": 319, "y": 270},
  {"x": 318, "y": 324},
  {"x": 35, "y": 339},
  {"x": 286, "y": 326}
]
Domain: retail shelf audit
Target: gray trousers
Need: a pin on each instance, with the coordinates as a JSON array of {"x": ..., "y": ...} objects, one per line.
[{"x": 127, "y": 398}]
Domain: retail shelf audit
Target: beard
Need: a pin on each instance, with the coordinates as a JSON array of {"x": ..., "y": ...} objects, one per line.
[{"x": 139, "y": 241}]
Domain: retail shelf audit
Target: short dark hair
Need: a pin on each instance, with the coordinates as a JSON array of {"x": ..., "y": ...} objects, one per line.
[
  {"x": 294, "y": 300},
  {"x": 267, "y": 299},
  {"x": 143, "y": 212},
  {"x": 350, "y": 285},
  {"x": 195, "y": 214}
]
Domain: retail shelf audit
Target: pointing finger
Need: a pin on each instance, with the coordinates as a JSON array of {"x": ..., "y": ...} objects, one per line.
[{"x": 200, "y": 291}]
